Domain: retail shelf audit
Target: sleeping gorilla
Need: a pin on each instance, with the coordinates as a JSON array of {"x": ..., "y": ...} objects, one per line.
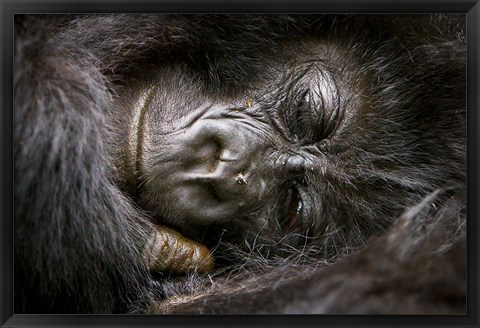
[{"x": 240, "y": 164}]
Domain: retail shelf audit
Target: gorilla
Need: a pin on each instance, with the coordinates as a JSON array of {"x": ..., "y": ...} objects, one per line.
[{"x": 225, "y": 164}]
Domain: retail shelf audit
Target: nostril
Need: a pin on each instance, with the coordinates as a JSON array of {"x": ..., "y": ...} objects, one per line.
[
  {"x": 226, "y": 155},
  {"x": 209, "y": 154},
  {"x": 201, "y": 156},
  {"x": 208, "y": 150}
]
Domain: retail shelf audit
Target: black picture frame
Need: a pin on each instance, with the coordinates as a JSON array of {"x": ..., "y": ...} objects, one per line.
[{"x": 11, "y": 7}]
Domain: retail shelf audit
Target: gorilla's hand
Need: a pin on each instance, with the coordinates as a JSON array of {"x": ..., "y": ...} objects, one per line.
[{"x": 169, "y": 251}]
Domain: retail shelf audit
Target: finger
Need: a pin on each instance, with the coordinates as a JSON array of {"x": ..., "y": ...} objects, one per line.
[{"x": 169, "y": 251}]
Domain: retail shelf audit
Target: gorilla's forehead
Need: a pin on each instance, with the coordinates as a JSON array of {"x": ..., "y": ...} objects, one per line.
[{"x": 177, "y": 90}]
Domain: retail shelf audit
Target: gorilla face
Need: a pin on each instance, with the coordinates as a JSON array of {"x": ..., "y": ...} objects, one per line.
[
  {"x": 249, "y": 161},
  {"x": 285, "y": 159}
]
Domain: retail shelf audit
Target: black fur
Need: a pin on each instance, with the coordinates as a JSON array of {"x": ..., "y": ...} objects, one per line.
[
  {"x": 79, "y": 236},
  {"x": 417, "y": 267}
]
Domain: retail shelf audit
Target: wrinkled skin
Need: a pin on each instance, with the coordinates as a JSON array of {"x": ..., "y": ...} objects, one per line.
[{"x": 254, "y": 148}]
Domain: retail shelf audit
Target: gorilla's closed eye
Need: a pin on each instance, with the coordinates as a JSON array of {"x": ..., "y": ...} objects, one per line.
[
  {"x": 307, "y": 120},
  {"x": 313, "y": 113}
]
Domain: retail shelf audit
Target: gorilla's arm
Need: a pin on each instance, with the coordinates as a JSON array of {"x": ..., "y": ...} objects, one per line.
[{"x": 74, "y": 229}]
